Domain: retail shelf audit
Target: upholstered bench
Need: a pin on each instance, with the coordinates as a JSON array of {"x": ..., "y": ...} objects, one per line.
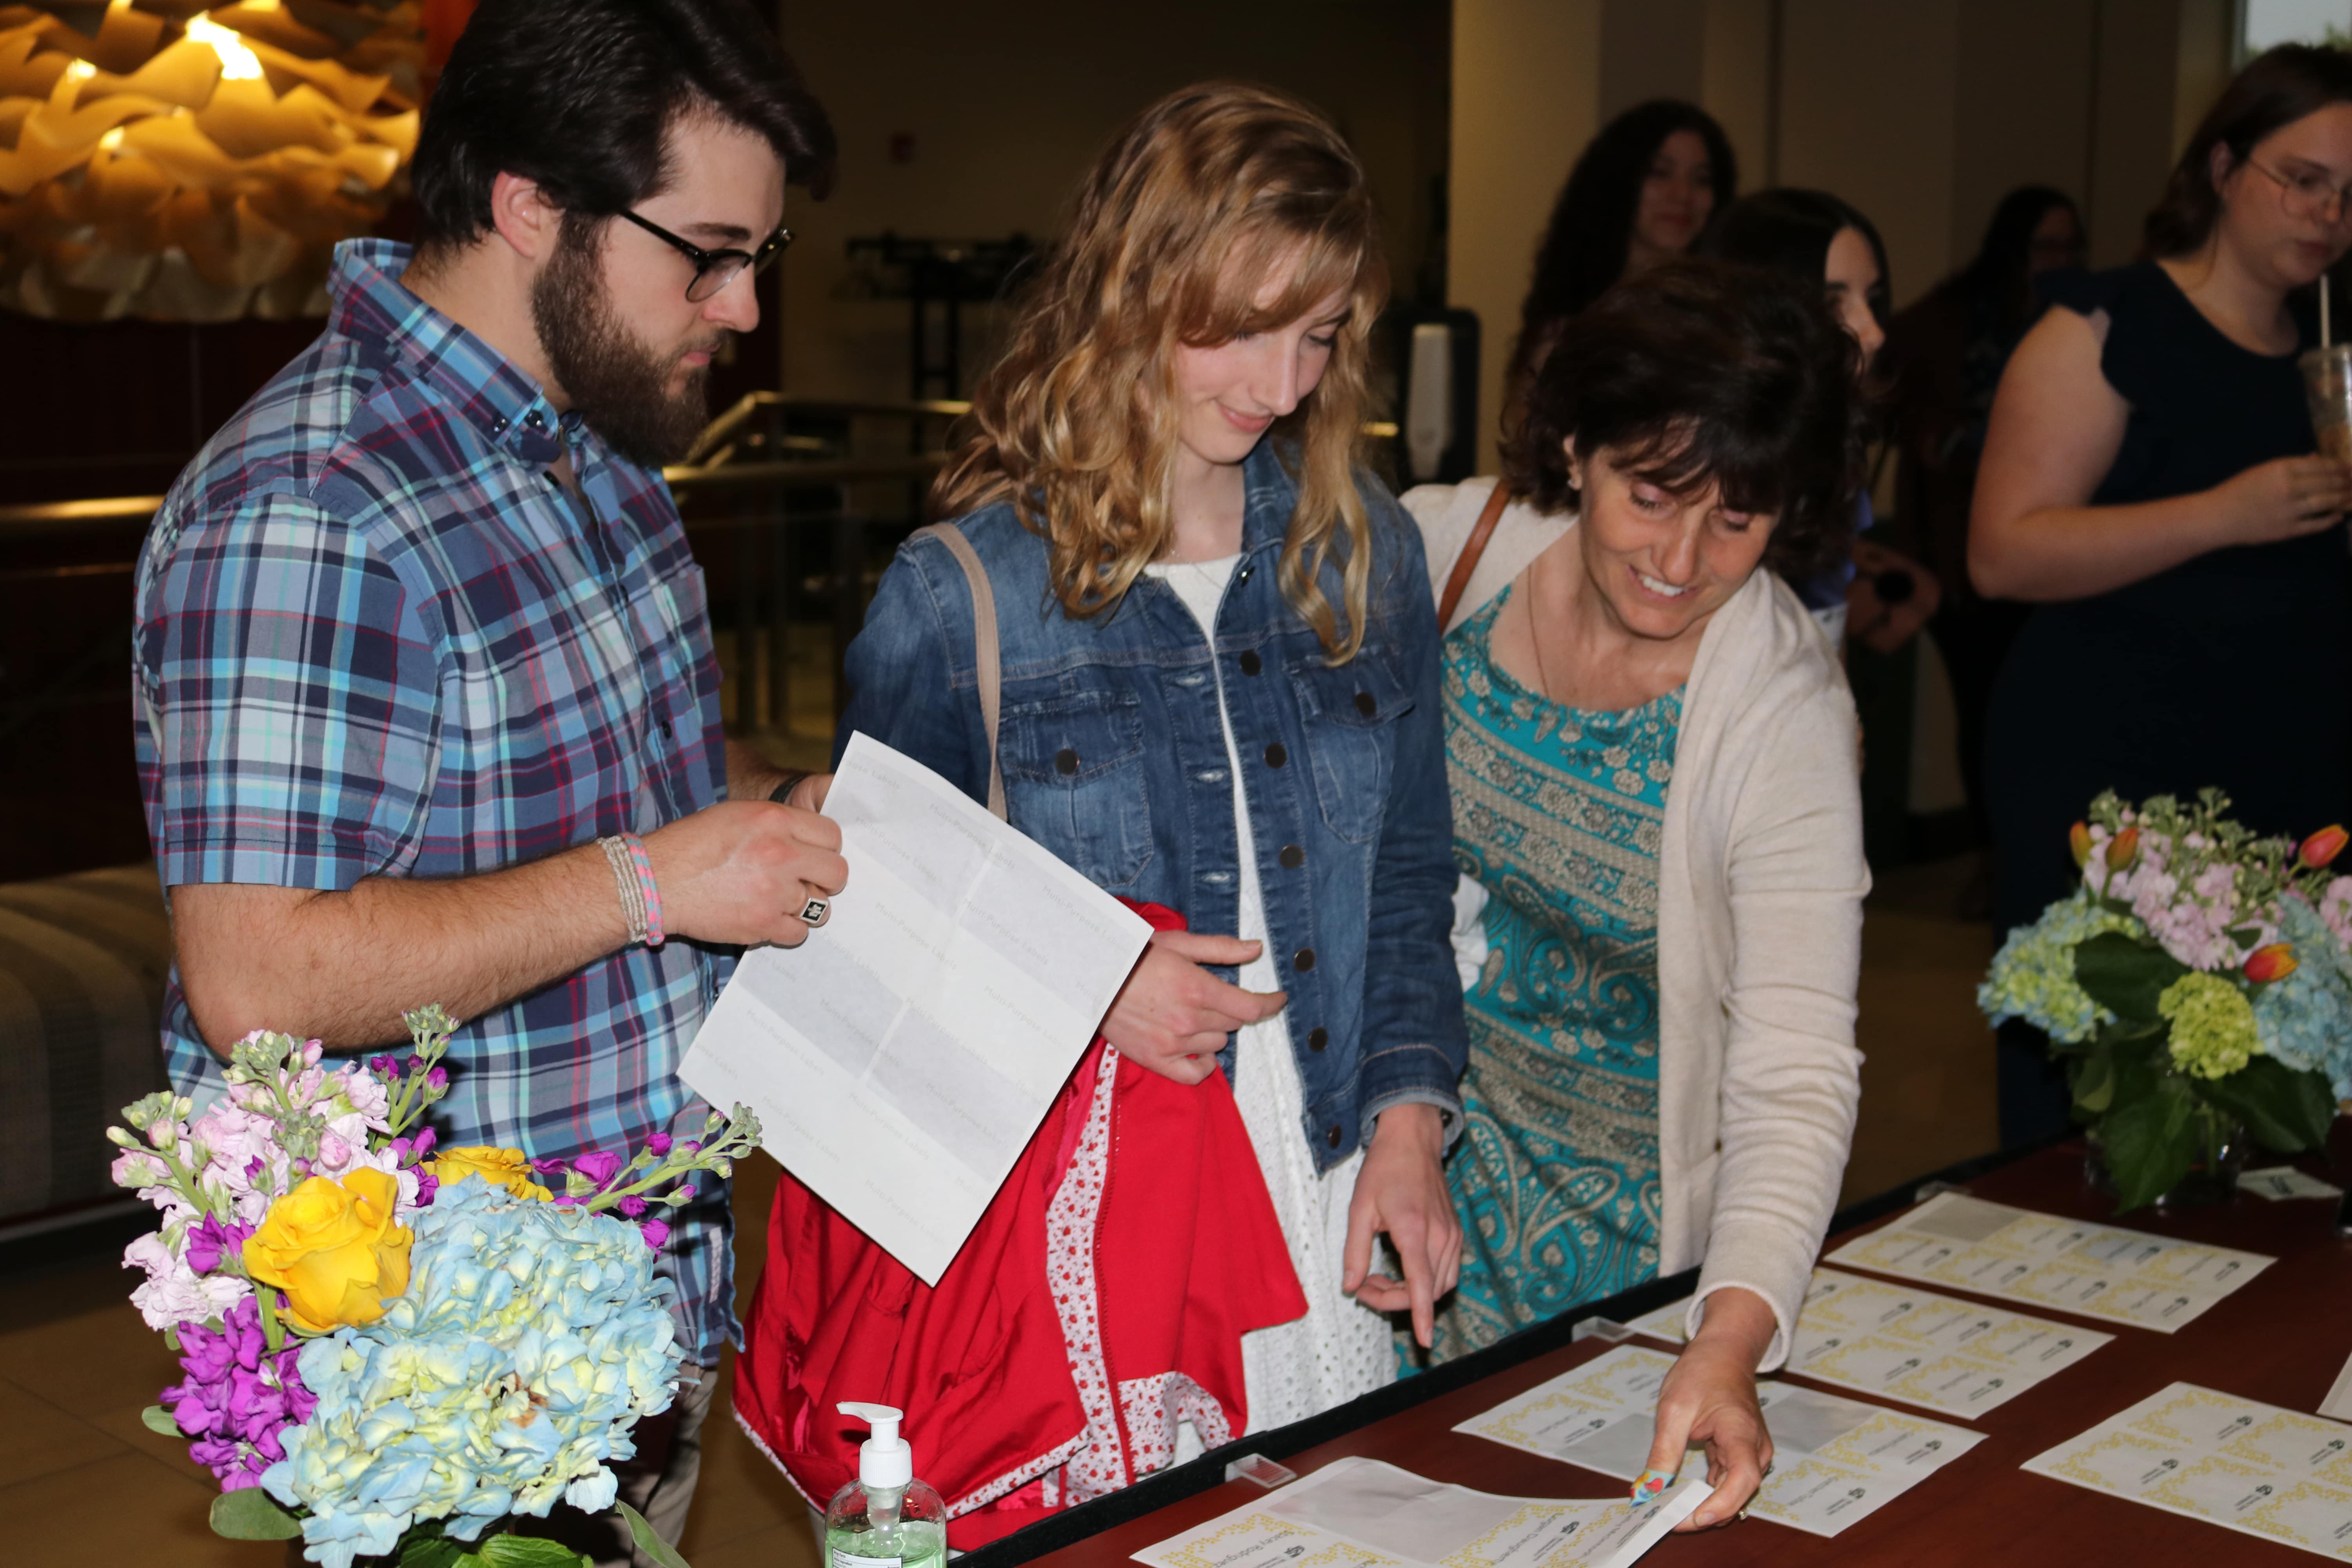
[{"x": 82, "y": 963}]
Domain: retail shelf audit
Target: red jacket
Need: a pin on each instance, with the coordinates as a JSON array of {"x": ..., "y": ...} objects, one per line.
[{"x": 1101, "y": 1299}]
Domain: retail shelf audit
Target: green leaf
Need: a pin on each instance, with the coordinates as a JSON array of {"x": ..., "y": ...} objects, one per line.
[
  {"x": 2095, "y": 1082},
  {"x": 528, "y": 1552},
  {"x": 252, "y": 1514},
  {"x": 155, "y": 1418},
  {"x": 2150, "y": 1144},
  {"x": 662, "y": 1552},
  {"x": 424, "y": 1546},
  {"x": 2125, "y": 975},
  {"x": 2286, "y": 1110}
]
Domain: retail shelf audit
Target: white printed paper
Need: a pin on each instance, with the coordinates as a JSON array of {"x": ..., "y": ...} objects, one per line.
[
  {"x": 1361, "y": 1513},
  {"x": 1837, "y": 1460},
  {"x": 1902, "y": 1343},
  {"x": 2338, "y": 1401},
  {"x": 901, "y": 1057},
  {"x": 2075, "y": 1266},
  {"x": 2251, "y": 1467},
  {"x": 2278, "y": 1181}
]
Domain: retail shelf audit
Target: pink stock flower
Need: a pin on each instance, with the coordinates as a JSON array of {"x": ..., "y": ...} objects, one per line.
[
  {"x": 239, "y": 1398},
  {"x": 598, "y": 1165},
  {"x": 175, "y": 1294}
]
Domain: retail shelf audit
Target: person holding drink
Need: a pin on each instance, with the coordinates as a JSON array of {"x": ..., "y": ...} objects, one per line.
[{"x": 2150, "y": 481}]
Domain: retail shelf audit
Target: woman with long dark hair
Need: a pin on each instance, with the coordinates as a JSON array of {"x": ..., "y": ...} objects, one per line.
[
  {"x": 1820, "y": 240},
  {"x": 1643, "y": 191},
  {"x": 2149, "y": 483}
]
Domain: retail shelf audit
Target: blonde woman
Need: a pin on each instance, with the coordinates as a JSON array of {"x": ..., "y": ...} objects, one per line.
[{"x": 1220, "y": 690}]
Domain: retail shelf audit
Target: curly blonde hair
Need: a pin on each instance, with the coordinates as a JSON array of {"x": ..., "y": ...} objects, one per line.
[{"x": 1204, "y": 197}]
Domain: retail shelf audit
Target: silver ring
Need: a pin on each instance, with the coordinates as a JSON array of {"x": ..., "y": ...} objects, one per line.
[{"x": 815, "y": 910}]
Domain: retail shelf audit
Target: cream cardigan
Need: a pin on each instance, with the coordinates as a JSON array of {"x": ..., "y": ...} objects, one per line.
[{"x": 1760, "y": 882}]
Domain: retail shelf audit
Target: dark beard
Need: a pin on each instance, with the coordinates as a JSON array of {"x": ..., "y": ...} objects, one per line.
[{"x": 620, "y": 387}]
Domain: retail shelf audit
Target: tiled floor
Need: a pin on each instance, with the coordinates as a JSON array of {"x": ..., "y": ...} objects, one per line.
[{"x": 86, "y": 1483}]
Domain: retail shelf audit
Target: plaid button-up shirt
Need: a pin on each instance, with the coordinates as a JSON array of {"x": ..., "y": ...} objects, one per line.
[{"x": 376, "y": 638}]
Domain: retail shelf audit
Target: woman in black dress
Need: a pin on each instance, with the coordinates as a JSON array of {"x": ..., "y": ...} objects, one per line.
[{"x": 2148, "y": 481}]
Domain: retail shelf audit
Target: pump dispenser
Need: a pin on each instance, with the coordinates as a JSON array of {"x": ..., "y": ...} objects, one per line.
[{"x": 886, "y": 1517}]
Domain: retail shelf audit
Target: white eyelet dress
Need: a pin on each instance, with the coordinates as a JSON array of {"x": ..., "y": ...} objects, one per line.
[{"x": 1341, "y": 1348}]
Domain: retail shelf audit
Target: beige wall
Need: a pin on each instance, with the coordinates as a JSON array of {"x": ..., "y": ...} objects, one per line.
[
  {"x": 1922, "y": 113},
  {"x": 1527, "y": 78},
  {"x": 1868, "y": 110},
  {"x": 1007, "y": 104}
]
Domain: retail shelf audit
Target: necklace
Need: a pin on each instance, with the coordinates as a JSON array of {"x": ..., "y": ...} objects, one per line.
[{"x": 1535, "y": 637}]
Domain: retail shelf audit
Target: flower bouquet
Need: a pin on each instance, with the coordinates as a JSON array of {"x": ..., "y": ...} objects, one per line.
[
  {"x": 392, "y": 1349},
  {"x": 2198, "y": 982}
]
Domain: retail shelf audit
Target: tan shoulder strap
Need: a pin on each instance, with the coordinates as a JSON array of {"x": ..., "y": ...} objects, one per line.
[
  {"x": 1472, "y": 548},
  {"x": 986, "y": 656}
]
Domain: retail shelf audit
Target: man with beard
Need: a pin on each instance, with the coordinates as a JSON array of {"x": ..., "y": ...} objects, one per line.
[{"x": 427, "y": 707}]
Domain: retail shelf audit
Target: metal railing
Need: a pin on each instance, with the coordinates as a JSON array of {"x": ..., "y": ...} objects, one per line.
[{"x": 774, "y": 471}]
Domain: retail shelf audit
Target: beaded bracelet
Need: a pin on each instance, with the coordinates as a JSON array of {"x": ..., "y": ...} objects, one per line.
[{"x": 633, "y": 874}]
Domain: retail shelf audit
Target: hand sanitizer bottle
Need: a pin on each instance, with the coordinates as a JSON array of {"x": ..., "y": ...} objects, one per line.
[{"x": 886, "y": 1517}]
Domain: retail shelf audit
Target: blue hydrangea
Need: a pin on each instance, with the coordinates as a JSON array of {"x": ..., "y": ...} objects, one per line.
[
  {"x": 530, "y": 1340},
  {"x": 2305, "y": 1019},
  {"x": 2032, "y": 976}
]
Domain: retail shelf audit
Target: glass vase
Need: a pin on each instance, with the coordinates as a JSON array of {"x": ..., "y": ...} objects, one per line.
[{"x": 2212, "y": 1178}]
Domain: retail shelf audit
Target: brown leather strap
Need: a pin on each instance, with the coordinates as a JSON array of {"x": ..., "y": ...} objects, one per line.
[
  {"x": 986, "y": 654},
  {"x": 1472, "y": 548}
]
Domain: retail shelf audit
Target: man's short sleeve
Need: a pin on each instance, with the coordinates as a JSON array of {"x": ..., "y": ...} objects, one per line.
[{"x": 289, "y": 712}]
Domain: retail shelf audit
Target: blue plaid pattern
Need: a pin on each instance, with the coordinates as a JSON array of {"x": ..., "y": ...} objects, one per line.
[{"x": 376, "y": 638}]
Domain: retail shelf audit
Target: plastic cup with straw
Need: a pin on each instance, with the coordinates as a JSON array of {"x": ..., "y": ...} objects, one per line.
[{"x": 2327, "y": 385}]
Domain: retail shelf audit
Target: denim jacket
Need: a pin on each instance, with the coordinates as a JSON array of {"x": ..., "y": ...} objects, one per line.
[{"x": 1113, "y": 758}]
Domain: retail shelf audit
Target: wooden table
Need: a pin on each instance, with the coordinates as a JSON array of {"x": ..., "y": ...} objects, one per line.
[{"x": 2281, "y": 1339}]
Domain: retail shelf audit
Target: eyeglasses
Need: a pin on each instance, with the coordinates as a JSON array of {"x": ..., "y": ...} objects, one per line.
[
  {"x": 2309, "y": 194},
  {"x": 714, "y": 269}
]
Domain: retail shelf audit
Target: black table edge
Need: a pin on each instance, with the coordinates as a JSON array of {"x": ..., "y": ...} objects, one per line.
[{"x": 1178, "y": 1482}]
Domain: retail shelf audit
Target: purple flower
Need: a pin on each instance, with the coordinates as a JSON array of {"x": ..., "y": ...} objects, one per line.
[
  {"x": 655, "y": 1232},
  {"x": 437, "y": 1079},
  {"x": 657, "y": 1145},
  {"x": 238, "y": 1399},
  {"x": 383, "y": 1067},
  {"x": 633, "y": 1205},
  {"x": 209, "y": 1240},
  {"x": 598, "y": 1166},
  {"x": 550, "y": 1166}
]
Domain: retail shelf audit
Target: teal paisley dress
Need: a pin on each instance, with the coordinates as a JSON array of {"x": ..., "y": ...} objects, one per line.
[{"x": 1558, "y": 813}]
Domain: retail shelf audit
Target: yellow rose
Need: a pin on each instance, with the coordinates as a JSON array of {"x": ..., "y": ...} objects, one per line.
[
  {"x": 331, "y": 1247},
  {"x": 507, "y": 1168}
]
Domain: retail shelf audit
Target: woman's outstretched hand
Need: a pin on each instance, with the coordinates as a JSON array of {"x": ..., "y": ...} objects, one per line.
[
  {"x": 1709, "y": 1398},
  {"x": 1402, "y": 1192},
  {"x": 1172, "y": 1016}
]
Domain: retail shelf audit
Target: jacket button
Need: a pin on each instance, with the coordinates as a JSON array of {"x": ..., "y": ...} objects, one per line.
[
  {"x": 1065, "y": 761},
  {"x": 1243, "y": 574},
  {"x": 1293, "y": 857},
  {"x": 1332, "y": 1137},
  {"x": 1303, "y": 959},
  {"x": 1250, "y": 662},
  {"x": 1275, "y": 755},
  {"x": 1317, "y": 1037},
  {"x": 1365, "y": 705}
]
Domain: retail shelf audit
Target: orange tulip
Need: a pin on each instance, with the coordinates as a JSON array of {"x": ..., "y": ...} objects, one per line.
[
  {"x": 2123, "y": 848},
  {"x": 2079, "y": 838},
  {"x": 2275, "y": 961},
  {"x": 2323, "y": 846}
]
